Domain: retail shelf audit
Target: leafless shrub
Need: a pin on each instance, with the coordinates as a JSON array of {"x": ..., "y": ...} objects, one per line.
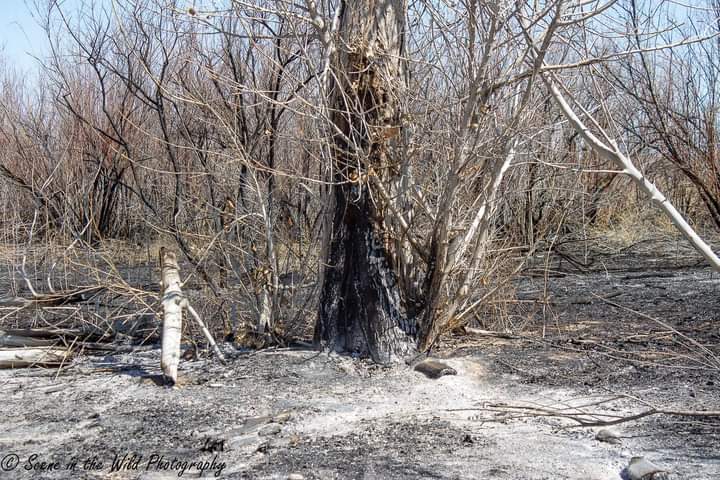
[{"x": 401, "y": 169}]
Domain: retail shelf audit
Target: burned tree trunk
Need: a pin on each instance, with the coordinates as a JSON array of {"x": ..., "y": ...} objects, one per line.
[{"x": 361, "y": 305}]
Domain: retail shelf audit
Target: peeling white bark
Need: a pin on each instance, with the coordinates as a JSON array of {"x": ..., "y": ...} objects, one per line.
[
  {"x": 29, "y": 357},
  {"x": 172, "y": 304}
]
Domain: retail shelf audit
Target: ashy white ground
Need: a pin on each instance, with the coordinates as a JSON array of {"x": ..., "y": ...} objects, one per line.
[{"x": 299, "y": 414}]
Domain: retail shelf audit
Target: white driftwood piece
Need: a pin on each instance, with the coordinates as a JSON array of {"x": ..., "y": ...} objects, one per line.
[
  {"x": 172, "y": 304},
  {"x": 29, "y": 357}
]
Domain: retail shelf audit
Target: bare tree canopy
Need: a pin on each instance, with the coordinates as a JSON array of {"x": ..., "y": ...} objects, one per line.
[{"x": 373, "y": 172}]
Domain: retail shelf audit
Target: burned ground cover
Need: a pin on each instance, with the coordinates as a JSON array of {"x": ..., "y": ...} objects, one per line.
[
  {"x": 644, "y": 318},
  {"x": 635, "y": 326}
]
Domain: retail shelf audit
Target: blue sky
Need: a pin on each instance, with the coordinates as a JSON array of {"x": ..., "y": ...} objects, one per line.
[{"x": 20, "y": 35}]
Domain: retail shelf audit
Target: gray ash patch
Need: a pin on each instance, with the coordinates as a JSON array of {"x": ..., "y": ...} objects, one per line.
[{"x": 393, "y": 450}]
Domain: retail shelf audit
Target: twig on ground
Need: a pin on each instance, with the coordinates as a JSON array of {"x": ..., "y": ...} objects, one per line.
[
  {"x": 585, "y": 418},
  {"x": 708, "y": 354}
]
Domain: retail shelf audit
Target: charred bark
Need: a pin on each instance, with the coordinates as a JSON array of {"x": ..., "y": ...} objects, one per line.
[{"x": 361, "y": 304}]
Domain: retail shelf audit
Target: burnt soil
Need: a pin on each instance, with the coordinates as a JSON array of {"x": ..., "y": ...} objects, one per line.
[{"x": 638, "y": 326}]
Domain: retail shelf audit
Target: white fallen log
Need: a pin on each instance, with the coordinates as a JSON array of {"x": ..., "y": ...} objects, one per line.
[
  {"x": 86, "y": 332},
  {"x": 30, "y": 357},
  {"x": 479, "y": 332},
  {"x": 10, "y": 340}
]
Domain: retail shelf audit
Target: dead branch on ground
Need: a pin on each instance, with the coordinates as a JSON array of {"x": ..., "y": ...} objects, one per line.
[{"x": 588, "y": 418}]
